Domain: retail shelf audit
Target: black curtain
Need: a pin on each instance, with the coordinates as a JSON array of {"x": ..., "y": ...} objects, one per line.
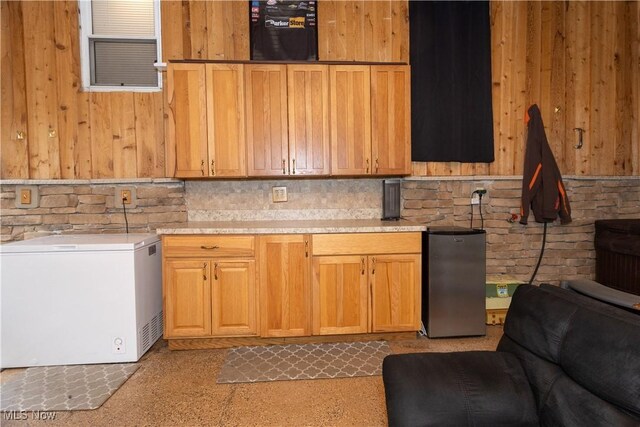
[{"x": 451, "y": 113}]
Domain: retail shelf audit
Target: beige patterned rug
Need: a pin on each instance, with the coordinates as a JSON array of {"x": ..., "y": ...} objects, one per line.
[
  {"x": 303, "y": 361},
  {"x": 63, "y": 388}
]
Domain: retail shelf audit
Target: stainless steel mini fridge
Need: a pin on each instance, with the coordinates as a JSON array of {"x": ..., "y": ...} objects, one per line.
[{"x": 453, "y": 288}]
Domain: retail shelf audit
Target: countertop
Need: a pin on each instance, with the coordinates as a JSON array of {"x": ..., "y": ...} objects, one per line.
[{"x": 294, "y": 227}]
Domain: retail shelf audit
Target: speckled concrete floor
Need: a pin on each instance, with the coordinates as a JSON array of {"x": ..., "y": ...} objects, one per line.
[{"x": 179, "y": 388}]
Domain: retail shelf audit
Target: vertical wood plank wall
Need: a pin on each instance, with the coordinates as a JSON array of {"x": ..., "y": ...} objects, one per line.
[{"x": 580, "y": 58}]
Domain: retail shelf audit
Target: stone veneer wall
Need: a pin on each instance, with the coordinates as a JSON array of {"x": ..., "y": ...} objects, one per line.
[
  {"x": 88, "y": 207},
  {"x": 513, "y": 248}
]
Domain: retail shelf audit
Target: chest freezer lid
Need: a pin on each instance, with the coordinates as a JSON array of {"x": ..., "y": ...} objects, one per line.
[{"x": 81, "y": 243}]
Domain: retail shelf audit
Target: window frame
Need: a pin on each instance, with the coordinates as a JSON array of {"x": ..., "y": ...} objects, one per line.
[{"x": 86, "y": 34}]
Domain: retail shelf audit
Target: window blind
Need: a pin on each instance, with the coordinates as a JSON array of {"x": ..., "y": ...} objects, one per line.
[
  {"x": 133, "y": 18},
  {"x": 123, "y": 62}
]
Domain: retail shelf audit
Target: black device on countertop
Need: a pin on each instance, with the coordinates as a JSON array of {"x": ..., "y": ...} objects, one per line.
[{"x": 391, "y": 199}]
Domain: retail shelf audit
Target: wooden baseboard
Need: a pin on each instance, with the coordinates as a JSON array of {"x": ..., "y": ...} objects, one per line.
[{"x": 226, "y": 342}]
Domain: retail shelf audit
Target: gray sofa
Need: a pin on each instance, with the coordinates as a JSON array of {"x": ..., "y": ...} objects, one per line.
[{"x": 565, "y": 359}]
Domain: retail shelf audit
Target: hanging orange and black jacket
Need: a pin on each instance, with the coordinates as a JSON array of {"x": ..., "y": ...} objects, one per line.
[{"x": 542, "y": 187}]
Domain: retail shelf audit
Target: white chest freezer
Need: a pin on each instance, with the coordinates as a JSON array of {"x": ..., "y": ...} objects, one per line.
[{"x": 79, "y": 299}]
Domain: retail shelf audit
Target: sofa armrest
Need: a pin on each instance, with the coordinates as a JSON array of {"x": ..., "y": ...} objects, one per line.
[{"x": 603, "y": 293}]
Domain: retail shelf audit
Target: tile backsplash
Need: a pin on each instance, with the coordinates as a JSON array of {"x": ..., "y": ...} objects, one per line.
[{"x": 307, "y": 199}]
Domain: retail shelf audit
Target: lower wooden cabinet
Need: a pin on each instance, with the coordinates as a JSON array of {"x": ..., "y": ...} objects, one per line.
[
  {"x": 294, "y": 285},
  {"x": 395, "y": 292},
  {"x": 339, "y": 295},
  {"x": 187, "y": 298},
  {"x": 234, "y": 299},
  {"x": 285, "y": 302},
  {"x": 209, "y": 297}
]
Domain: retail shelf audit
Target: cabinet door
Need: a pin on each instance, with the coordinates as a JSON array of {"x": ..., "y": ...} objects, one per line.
[
  {"x": 188, "y": 116},
  {"x": 308, "y": 108},
  {"x": 285, "y": 288},
  {"x": 350, "y": 120},
  {"x": 396, "y": 290},
  {"x": 234, "y": 298},
  {"x": 391, "y": 119},
  {"x": 339, "y": 295},
  {"x": 187, "y": 298},
  {"x": 266, "y": 99},
  {"x": 225, "y": 120}
]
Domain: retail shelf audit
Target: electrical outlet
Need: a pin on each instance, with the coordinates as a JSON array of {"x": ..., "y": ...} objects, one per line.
[
  {"x": 26, "y": 196},
  {"x": 475, "y": 199},
  {"x": 279, "y": 194},
  {"x": 125, "y": 196}
]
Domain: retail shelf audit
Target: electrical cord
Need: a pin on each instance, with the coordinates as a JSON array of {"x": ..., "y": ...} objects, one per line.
[
  {"x": 480, "y": 208},
  {"x": 544, "y": 240},
  {"x": 124, "y": 211}
]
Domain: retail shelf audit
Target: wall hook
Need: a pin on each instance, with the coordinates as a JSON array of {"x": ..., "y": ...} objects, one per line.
[{"x": 580, "y": 132}]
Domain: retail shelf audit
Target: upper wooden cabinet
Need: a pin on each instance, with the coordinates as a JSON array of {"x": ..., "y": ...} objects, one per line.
[
  {"x": 308, "y": 107},
  {"x": 370, "y": 120},
  {"x": 391, "y": 119},
  {"x": 350, "y": 119},
  {"x": 207, "y": 104},
  {"x": 287, "y": 119},
  {"x": 298, "y": 119},
  {"x": 266, "y": 96}
]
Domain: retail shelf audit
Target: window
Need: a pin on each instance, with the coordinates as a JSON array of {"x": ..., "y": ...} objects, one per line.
[{"x": 119, "y": 45}]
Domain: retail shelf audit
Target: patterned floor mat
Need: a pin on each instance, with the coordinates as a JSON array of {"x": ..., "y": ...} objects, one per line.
[
  {"x": 303, "y": 361},
  {"x": 63, "y": 388}
]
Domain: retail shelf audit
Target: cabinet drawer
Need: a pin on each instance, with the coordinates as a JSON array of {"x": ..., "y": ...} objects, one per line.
[
  {"x": 367, "y": 243},
  {"x": 209, "y": 246}
]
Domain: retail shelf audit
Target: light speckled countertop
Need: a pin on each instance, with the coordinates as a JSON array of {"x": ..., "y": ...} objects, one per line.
[{"x": 294, "y": 227}]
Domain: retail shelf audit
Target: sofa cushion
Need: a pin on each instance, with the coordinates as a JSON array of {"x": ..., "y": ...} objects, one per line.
[{"x": 452, "y": 389}]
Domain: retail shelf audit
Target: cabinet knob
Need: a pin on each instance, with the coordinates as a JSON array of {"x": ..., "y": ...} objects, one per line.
[
  {"x": 376, "y": 165},
  {"x": 362, "y": 266},
  {"x": 215, "y": 271},
  {"x": 204, "y": 271},
  {"x": 306, "y": 249},
  {"x": 373, "y": 265},
  {"x": 294, "y": 166},
  {"x": 213, "y": 170},
  {"x": 202, "y": 167},
  {"x": 284, "y": 167},
  {"x": 367, "y": 166}
]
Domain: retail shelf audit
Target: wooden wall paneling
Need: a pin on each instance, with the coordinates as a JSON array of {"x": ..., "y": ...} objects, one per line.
[
  {"x": 186, "y": 29},
  {"x": 577, "y": 77},
  {"x": 149, "y": 133},
  {"x": 123, "y": 136},
  {"x": 400, "y": 31},
  {"x": 217, "y": 37},
  {"x": 40, "y": 74},
  {"x": 14, "y": 152},
  {"x": 327, "y": 30},
  {"x": 65, "y": 19},
  {"x": 199, "y": 29},
  {"x": 239, "y": 23},
  {"x": 623, "y": 58},
  {"x": 556, "y": 81},
  {"x": 377, "y": 30},
  {"x": 635, "y": 71},
  {"x": 101, "y": 135},
  {"x": 342, "y": 49},
  {"x": 171, "y": 15},
  {"x": 602, "y": 88}
]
